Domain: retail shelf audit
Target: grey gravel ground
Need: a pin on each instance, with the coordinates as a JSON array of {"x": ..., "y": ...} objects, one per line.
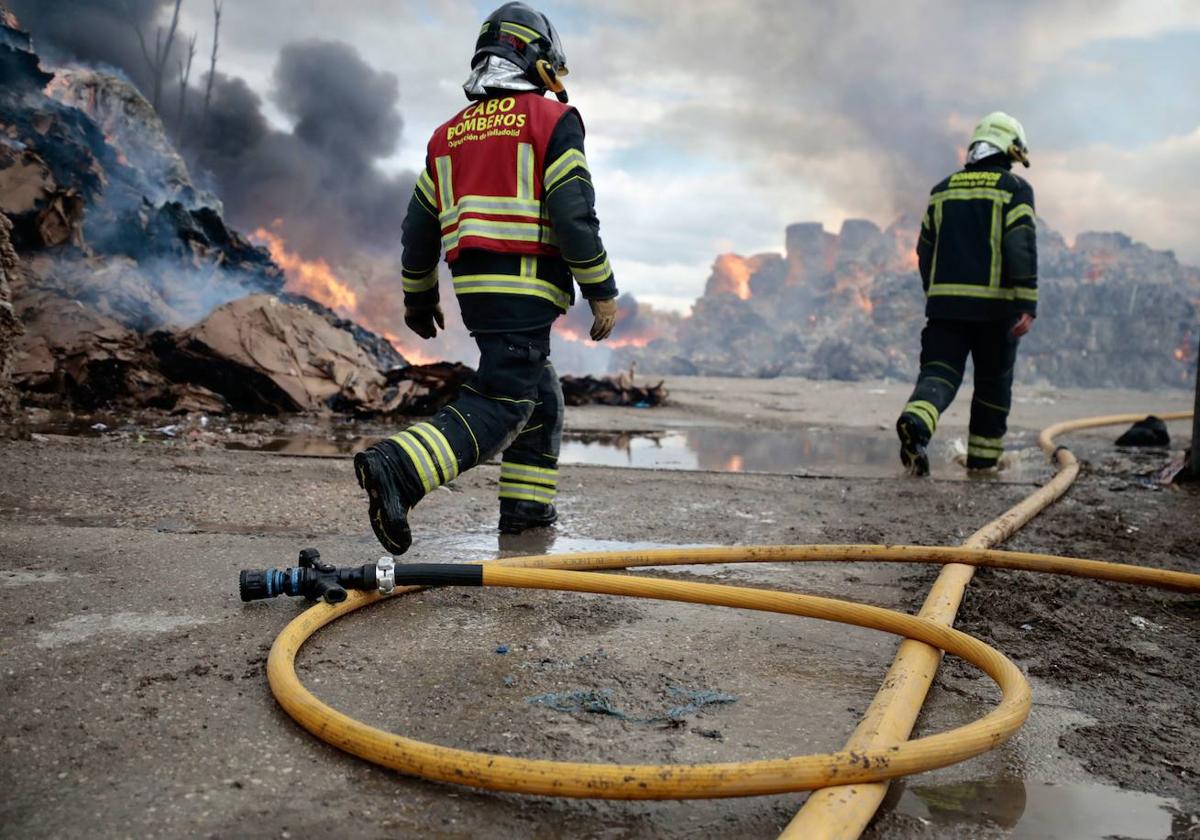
[{"x": 136, "y": 702}]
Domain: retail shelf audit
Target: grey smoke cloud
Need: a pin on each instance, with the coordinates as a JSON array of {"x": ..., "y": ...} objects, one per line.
[
  {"x": 772, "y": 112},
  {"x": 338, "y": 102},
  {"x": 94, "y": 31},
  {"x": 321, "y": 178}
]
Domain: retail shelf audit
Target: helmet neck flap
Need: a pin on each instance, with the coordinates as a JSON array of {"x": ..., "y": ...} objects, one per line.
[{"x": 525, "y": 39}]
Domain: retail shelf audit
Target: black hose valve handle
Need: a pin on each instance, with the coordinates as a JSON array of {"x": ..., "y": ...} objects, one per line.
[{"x": 315, "y": 579}]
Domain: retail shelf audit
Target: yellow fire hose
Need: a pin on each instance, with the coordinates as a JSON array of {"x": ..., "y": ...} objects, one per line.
[
  {"x": 879, "y": 750},
  {"x": 842, "y": 812}
]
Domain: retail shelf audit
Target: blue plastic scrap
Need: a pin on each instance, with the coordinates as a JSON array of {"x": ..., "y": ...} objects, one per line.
[{"x": 600, "y": 702}]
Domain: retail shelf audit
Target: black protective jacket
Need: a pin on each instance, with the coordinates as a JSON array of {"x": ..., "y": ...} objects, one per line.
[
  {"x": 570, "y": 206},
  {"x": 978, "y": 246}
]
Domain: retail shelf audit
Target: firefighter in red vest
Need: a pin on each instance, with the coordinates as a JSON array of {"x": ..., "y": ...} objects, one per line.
[{"x": 506, "y": 192}]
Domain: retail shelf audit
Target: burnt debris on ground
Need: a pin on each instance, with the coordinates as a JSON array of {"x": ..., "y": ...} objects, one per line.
[
  {"x": 612, "y": 390},
  {"x": 125, "y": 287}
]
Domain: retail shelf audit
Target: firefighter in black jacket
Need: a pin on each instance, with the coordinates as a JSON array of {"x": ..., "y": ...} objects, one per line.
[
  {"x": 507, "y": 194},
  {"x": 977, "y": 254}
]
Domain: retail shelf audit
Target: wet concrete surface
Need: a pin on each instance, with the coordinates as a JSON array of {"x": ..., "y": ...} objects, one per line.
[
  {"x": 136, "y": 702},
  {"x": 851, "y": 452},
  {"x": 1025, "y": 810}
]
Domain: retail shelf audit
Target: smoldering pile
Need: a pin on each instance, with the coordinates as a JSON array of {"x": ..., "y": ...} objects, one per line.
[
  {"x": 122, "y": 285},
  {"x": 849, "y": 306}
]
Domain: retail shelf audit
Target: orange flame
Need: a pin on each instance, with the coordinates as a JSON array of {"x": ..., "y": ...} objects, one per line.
[
  {"x": 906, "y": 256},
  {"x": 571, "y": 334},
  {"x": 629, "y": 341},
  {"x": 416, "y": 357},
  {"x": 1180, "y": 354},
  {"x": 735, "y": 464},
  {"x": 311, "y": 278},
  {"x": 315, "y": 279},
  {"x": 735, "y": 273}
]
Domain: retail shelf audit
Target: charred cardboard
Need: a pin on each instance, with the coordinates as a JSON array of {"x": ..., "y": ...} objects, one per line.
[{"x": 265, "y": 355}]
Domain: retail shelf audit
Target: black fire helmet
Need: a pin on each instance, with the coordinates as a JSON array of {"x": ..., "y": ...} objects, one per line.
[{"x": 528, "y": 39}]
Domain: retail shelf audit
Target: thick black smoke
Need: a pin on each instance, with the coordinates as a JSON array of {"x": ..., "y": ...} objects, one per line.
[
  {"x": 96, "y": 32},
  {"x": 321, "y": 178}
]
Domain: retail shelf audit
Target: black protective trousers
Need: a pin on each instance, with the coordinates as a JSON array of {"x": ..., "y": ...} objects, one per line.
[
  {"x": 945, "y": 346},
  {"x": 512, "y": 405}
]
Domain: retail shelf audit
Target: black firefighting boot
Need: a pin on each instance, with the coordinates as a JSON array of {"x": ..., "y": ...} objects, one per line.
[
  {"x": 518, "y": 515},
  {"x": 380, "y": 472},
  {"x": 912, "y": 445}
]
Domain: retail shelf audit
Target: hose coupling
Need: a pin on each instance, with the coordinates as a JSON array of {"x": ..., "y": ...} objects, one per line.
[{"x": 385, "y": 575}]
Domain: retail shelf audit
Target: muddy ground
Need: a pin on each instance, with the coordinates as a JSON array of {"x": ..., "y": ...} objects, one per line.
[{"x": 136, "y": 703}]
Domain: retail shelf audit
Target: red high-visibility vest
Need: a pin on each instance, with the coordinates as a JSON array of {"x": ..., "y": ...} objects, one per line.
[{"x": 487, "y": 182}]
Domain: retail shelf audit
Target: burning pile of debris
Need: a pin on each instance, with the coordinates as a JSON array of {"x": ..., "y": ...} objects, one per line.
[
  {"x": 121, "y": 285},
  {"x": 849, "y": 306}
]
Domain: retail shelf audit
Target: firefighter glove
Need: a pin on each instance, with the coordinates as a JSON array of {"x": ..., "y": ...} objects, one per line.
[
  {"x": 1023, "y": 325},
  {"x": 604, "y": 313},
  {"x": 421, "y": 319}
]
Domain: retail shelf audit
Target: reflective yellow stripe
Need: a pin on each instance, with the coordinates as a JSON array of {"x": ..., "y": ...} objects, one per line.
[
  {"x": 986, "y": 442},
  {"x": 926, "y": 411},
  {"x": 523, "y": 32},
  {"x": 949, "y": 367},
  {"x": 1002, "y": 196},
  {"x": 510, "y": 284},
  {"x": 421, "y": 284},
  {"x": 445, "y": 185},
  {"x": 425, "y": 185},
  {"x": 1026, "y": 293},
  {"x": 466, "y": 426},
  {"x": 525, "y": 160},
  {"x": 997, "y": 232},
  {"x": 420, "y": 460},
  {"x": 532, "y": 475},
  {"x": 492, "y": 205},
  {"x": 441, "y": 448},
  {"x": 965, "y": 290},
  {"x": 506, "y": 475},
  {"x": 565, "y": 162},
  {"x": 992, "y": 406},
  {"x": 526, "y": 492},
  {"x": 937, "y": 229},
  {"x": 497, "y": 397},
  {"x": 532, "y": 470},
  {"x": 490, "y": 229},
  {"x": 595, "y": 274},
  {"x": 987, "y": 454},
  {"x": 1018, "y": 212}
]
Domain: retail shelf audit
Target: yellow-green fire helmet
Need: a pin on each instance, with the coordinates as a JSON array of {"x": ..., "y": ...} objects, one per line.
[{"x": 1003, "y": 132}]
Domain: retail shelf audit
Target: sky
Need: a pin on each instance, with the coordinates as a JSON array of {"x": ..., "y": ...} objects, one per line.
[{"x": 713, "y": 124}]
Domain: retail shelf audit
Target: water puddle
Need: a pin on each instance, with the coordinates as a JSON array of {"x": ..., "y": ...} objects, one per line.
[
  {"x": 819, "y": 451},
  {"x": 852, "y": 453},
  {"x": 487, "y": 545},
  {"x": 1040, "y": 810}
]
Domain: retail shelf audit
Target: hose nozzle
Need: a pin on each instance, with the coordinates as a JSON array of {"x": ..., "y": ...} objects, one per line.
[{"x": 313, "y": 579}]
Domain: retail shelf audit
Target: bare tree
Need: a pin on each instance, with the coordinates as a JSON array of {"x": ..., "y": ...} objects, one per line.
[
  {"x": 212, "y": 65},
  {"x": 162, "y": 52},
  {"x": 185, "y": 75}
]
